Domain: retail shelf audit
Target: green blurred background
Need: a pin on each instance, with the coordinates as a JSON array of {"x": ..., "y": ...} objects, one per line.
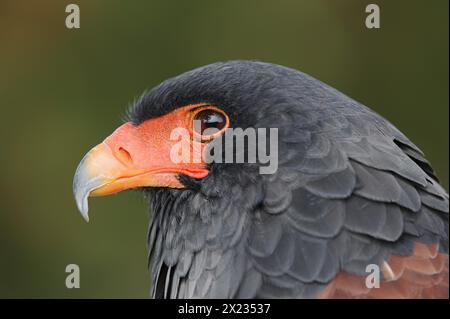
[{"x": 62, "y": 91}]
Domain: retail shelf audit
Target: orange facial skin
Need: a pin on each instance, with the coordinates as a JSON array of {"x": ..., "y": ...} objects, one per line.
[{"x": 140, "y": 155}]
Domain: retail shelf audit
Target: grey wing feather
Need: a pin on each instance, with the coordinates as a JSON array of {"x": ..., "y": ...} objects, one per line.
[
  {"x": 375, "y": 199},
  {"x": 352, "y": 192}
]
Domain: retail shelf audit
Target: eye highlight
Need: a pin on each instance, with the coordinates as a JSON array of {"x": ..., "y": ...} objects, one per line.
[{"x": 209, "y": 122}]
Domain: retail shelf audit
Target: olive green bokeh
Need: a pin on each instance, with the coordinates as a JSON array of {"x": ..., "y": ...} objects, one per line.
[{"x": 62, "y": 91}]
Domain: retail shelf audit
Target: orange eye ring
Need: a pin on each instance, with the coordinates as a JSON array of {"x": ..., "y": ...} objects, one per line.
[{"x": 210, "y": 117}]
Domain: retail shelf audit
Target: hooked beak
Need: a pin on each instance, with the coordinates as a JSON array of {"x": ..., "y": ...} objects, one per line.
[
  {"x": 132, "y": 157},
  {"x": 100, "y": 173}
]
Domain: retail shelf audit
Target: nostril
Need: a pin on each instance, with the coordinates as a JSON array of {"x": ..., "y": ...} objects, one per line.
[{"x": 123, "y": 155}]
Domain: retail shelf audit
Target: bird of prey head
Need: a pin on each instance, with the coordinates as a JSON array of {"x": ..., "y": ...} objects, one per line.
[{"x": 350, "y": 192}]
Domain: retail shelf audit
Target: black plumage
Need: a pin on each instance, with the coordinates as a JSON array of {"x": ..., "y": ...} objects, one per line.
[{"x": 350, "y": 190}]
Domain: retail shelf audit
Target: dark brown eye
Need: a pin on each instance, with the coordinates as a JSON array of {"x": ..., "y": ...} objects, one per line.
[{"x": 208, "y": 122}]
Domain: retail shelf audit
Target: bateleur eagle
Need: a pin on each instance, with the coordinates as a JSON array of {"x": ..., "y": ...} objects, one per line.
[{"x": 350, "y": 191}]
